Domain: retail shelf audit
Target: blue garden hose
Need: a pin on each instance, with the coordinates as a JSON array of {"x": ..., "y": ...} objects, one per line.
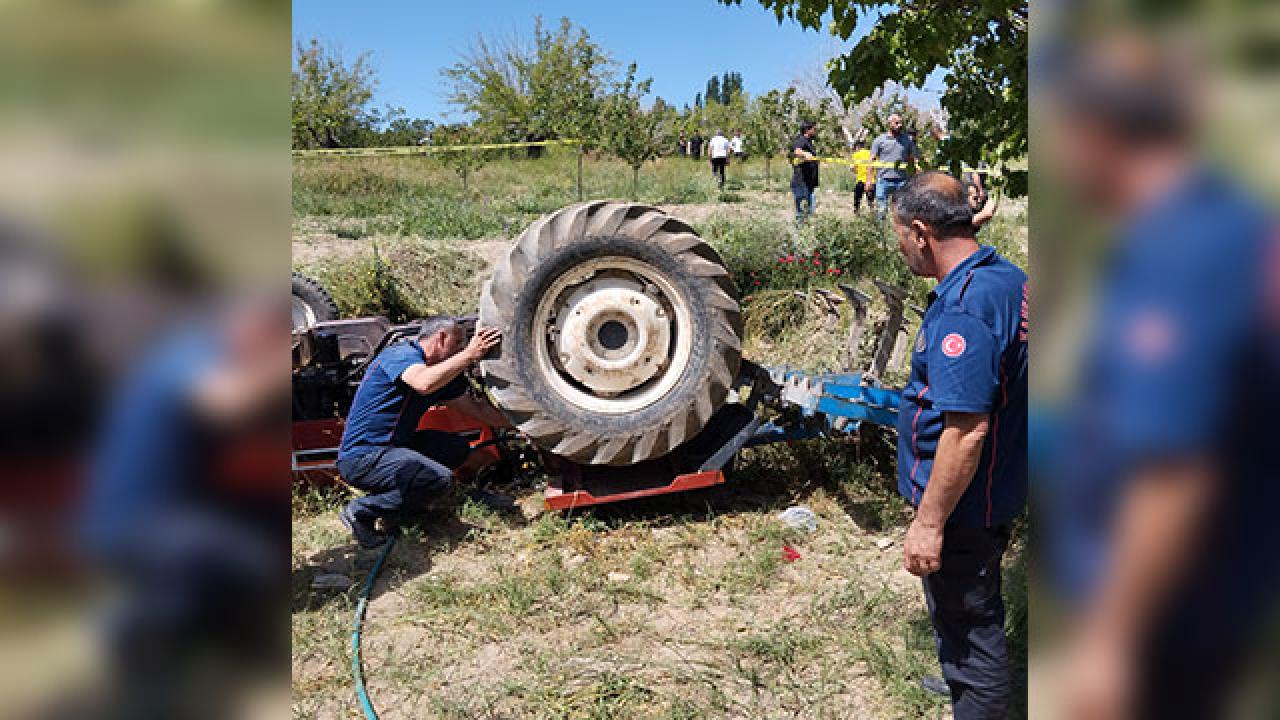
[{"x": 365, "y": 704}]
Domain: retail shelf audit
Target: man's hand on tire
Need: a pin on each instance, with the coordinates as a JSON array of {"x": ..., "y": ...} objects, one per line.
[{"x": 481, "y": 343}]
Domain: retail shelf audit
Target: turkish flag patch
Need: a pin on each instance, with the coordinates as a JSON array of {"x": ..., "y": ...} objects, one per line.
[{"x": 953, "y": 345}]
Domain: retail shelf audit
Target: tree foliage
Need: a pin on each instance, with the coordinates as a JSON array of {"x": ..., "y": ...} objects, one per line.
[
  {"x": 330, "y": 99},
  {"x": 628, "y": 130},
  {"x": 332, "y": 104},
  {"x": 550, "y": 88},
  {"x": 771, "y": 125},
  {"x": 981, "y": 45},
  {"x": 462, "y": 162},
  {"x": 730, "y": 88}
]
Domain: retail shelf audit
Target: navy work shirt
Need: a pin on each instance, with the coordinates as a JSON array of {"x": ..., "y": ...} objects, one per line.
[
  {"x": 1181, "y": 362},
  {"x": 971, "y": 356},
  {"x": 154, "y": 454},
  {"x": 386, "y": 410}
]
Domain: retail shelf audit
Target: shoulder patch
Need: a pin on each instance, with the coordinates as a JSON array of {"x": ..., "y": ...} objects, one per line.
[{"x": 953, "y": 345}]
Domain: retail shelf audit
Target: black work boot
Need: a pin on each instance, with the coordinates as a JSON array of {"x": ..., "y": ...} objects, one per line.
[{"x": 364, "y": 532}]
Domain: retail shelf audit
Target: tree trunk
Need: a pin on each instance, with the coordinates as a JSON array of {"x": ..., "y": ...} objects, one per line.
[
  {"x": 635, "y": 180},
  {"x": 465, "y": 172},
  {"x": 580, "y": 152},
  {"x": 768, "y": 179}
]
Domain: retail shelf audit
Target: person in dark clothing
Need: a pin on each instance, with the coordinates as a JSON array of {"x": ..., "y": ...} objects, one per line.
[
  {"x": 695, "y": 146},
  {"x": 804, "y": 173},
  {"x": 962, "y": 436},
  {"x": 383, "y": 453}
]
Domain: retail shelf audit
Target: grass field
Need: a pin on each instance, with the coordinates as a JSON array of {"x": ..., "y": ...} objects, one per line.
[{"x": 679, "y": 607}]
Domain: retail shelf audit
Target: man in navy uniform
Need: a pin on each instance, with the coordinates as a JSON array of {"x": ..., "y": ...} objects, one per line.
[
  {"x": 383, "y": 453},
  {"x": 962, "y": 435}
]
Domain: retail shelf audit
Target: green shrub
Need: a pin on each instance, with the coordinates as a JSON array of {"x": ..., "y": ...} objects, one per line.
[
  {"x": 750, "y": 249},
  {"x": 861, "y": 247}
]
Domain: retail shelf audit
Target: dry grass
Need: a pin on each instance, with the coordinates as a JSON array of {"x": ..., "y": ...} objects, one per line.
[{"x": 683, "y": 607}]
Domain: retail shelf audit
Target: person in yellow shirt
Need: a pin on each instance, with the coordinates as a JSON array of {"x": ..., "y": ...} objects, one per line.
[{"x": 864, "y": 176}]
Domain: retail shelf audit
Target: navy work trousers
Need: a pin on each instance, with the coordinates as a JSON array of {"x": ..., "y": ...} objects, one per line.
[
  {"x": 967, "y": 611},
  {"x": 403, "y": 478}
]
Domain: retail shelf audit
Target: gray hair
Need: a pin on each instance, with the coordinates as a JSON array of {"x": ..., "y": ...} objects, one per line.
[
  {"x": 437, "y": 323},
  {"x": 936, "y": 199}
]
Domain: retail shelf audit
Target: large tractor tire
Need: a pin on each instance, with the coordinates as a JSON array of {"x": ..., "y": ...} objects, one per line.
[
  {"x": 311, "y": 303},
  {"x": 621, "y": 333}
]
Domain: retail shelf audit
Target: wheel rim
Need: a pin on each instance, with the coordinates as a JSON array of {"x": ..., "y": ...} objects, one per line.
[
  {"x": 304, "y": 317},
  {"x": 612, "y": 335}
]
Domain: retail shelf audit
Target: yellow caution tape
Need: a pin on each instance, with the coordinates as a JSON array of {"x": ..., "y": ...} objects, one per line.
[
  {"x": 900, "y": 166},
  {"x": 430, "y": 149},
  {"x": 424, "y": 149}
]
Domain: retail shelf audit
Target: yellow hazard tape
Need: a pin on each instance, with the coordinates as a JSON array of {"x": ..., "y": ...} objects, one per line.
[
  {"x": 424, "y": 149},
  {"x": 900, "y": 166}
]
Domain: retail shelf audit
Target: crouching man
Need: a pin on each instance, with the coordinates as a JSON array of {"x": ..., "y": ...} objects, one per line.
[
  {"x": 383, "y": 453},
  {"x": 962, "y": 436}
]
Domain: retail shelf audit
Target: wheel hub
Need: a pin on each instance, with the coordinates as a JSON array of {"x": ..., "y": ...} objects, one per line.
[{"x": 612, "y": 336}]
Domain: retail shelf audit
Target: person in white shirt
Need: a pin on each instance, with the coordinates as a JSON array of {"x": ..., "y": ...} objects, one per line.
[
  {"x": 718, "y": 151},
  {"x": 736, "y": 145}
]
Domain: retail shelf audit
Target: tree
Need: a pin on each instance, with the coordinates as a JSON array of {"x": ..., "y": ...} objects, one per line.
[
  {"x": 630, "y": 132},
  {"x": 520, "y": 91},
  {"x": 875, "y": 120},
  {"x": 771, "y": 125},
  {"x": 713, "y": 90},
  {"x": 462, "y": 162},
  {"x": 330, "y": 99},
  {"x": 730, "y": 87},
  {"x": 402, "y": 130},
  {"x": 982, "y": 46}
]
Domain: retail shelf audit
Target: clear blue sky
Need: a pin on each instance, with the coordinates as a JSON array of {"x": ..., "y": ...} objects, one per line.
[{"x": 679, "y": 43}]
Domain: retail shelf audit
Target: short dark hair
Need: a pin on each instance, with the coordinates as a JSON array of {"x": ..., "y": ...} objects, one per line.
[
  {"x": 806, "y": 126},
  {"x": 935, "y": 199},
  {"x": 436, "y": 323},
  {"x": 1144, "y": 101}
]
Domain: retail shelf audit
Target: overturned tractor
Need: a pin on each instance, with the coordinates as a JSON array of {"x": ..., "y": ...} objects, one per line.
[{"x": 620, "y": 361}]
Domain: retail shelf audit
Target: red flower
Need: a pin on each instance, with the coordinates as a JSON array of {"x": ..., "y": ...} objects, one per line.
[
  {"x": 757, "y": 282},
  {"x": 815, "y": 261}
]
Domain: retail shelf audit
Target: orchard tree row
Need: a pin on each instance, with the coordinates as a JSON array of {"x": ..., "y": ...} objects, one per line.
[{"x": 560, "y": 84}]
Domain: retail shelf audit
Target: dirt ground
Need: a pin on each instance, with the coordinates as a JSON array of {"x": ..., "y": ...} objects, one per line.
[{"x": 677, "y": 608}]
